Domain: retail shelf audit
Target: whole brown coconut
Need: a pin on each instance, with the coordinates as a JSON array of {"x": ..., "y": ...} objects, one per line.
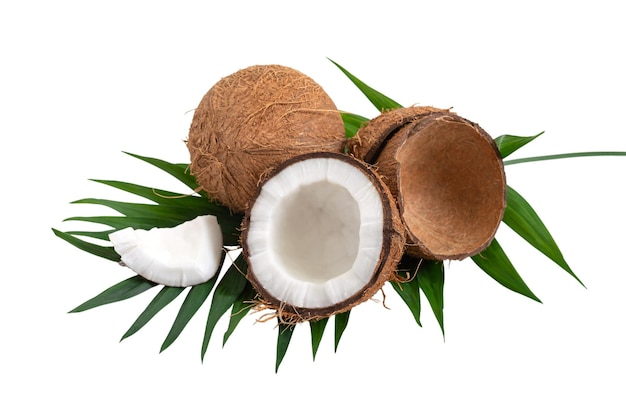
[
  {"x": 251, "y": 121},
  {"x": 446, "y": 174}
]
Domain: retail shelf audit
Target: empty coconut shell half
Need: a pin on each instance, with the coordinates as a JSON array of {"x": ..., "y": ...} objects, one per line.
[
  {"x": 321, "y": 235},
  {"x": 446, "y": 174}
]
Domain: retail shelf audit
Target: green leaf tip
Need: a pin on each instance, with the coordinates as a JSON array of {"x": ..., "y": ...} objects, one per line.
[
  {"x": 409, "y": 290},
  {"x": 520, "y": 216},
  {"x": 123, "y": 290},
  {"x": 430, "y": 277},
  {"x": 160, "y": 301},
  {"x": 241, "y": 307},
  {"x": 379, "y": 100},
  {"x": 341, "y": 323},
  {"x": 507, "y": 144},
  {"x": 285, "y": 333},
  {"x": 317, "y": 332},
  {"x": 179, "y": 171},
  {"x": 101, "y": 251},
  {"x": 228, "y": 290},
  {"x": 196, "y": 296},
  {"x": 494, "y": 261}
]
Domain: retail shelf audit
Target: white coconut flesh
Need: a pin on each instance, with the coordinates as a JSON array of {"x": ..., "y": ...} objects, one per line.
[
  {"x": 185, "y": 255},
  {"x": 315, "y": 234}
]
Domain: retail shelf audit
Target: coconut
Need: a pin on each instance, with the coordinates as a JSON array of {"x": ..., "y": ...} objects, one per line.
[
  {"x": 321, "y": 235},
  {"x": 446, "y": 174},
  {"x": 251, "y": 121},
  {"x": 185, "y": 255}
]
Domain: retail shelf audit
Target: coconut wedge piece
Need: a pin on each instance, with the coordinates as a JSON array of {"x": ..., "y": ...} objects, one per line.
[
  {"x": 446, "y": 174},
  {"x": 185, "y": 255},
  {"x": 322, "y": 235}
]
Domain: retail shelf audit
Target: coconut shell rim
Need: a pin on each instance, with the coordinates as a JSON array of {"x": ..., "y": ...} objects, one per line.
[{"x": 391, "y": 122}]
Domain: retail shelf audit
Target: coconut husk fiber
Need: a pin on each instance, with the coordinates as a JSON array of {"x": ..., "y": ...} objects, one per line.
[
  {"x": 392, "y": 251},
  {"x": 447, "y": 176},
  {"x": 371, "y": 138},
  {"x": 251, "y": 121}
]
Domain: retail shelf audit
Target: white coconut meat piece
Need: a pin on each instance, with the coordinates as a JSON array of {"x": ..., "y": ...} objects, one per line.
[
  {"x": 185, "y": 255},
  {"x": 315, "y": 232}
]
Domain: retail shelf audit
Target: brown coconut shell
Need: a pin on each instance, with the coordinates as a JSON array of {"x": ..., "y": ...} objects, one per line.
[
  {"x": 391, "y": 253},
  {"x": 447, "y": 176},
  {"x": 371, "y": 138},
  {"x": 251, "y": 121}
]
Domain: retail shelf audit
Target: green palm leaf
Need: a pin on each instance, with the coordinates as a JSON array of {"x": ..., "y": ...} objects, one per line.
[
  {"x": 160, "y": 196},
  {"x": 165, "y": 215},
  {"x": 131, "y": 209},
  {"x": 409, "y": 290},
  {"x": 240, "y": 309},
  {"x": 352, "y": 123},
  {"x": 562, "y": 156},
  {"x": 523, "y": 219},
  {"x": 284, "y": 338},
  {"x": 380, "y": 101},
  {"x": 341, "y": 323},
  {"x": 508, "y": 144},
  {"x": 95, "y": 249},
  {"x": 119, "y": 222},
  {"x": 123, "y": 290},
  {"x": 100, "y": 235},
  {"x": 496, "y": 264},
  {"x": 161, "y": 300},
  {"x": 229, "y": 225},
  {"x": 317, "y": 332},
  {"x": 430, "y": 277},
  {"x": 226, "y": 294},
  {"x": 181, "y": 172},
  {"x": 195, "y": 298},
  {"x": 178, "y": 170}
]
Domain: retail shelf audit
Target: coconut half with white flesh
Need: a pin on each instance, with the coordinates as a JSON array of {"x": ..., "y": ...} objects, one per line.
[
  {"x": 321, "y": 235},
  {"x": 185, "y": 255}
]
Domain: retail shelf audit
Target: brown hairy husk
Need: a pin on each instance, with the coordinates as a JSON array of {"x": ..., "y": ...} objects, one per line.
[
  {"x": 391, "y": 253},
  {"x": 371, "y": 138},
  {"x": 251, "y": 121}
]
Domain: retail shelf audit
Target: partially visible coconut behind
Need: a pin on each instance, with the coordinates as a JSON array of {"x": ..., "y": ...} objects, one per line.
[
  {"x": 370, "y": 139},
  {"x": 446, "y": 174},
  {"x": 251, "y": 121}
]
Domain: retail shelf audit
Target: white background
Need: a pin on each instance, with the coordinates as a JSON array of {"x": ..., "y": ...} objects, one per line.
[{"x": 82, "y": 82}]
